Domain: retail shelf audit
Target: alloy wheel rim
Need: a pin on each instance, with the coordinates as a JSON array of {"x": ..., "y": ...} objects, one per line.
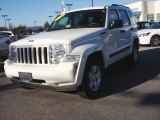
[
  {"x": 156, "y": 41},
  {"x": 94, "y": 78}
]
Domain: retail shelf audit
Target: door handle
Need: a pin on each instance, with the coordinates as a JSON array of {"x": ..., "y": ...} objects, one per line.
[
  {"x": 132, "y": 29},
  {"x": 122, "y": 31}
]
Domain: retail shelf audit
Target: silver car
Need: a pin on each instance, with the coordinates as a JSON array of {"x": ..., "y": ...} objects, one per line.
[{"x": 4, "y": 46}]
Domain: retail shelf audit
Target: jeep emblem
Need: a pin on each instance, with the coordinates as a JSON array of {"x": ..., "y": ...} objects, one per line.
[{"x": 30, "y": 40}]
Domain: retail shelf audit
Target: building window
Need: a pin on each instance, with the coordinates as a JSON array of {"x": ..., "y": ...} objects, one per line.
[{"x": 150, "y": 17}]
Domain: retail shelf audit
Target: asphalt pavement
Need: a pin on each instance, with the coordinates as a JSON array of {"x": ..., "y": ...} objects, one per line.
[{"x": 131, "y": 93}]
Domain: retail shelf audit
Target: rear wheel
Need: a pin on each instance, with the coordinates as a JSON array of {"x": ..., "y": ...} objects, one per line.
[
  {"x": 92, "y": 79},
  {"x": 133, "y": 57},
  {"x": 155, "y": 40}
]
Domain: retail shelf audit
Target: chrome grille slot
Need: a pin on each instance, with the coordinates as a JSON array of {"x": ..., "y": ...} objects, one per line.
[
  {"x": 25, "y": 55},
  {"x": 33, "y": 55},
  {"x": 18, "y": 55},
  {"x": 22, "y": 54},
  {"x": 45, "y": 55},
  {"x": 40, "y": 55},
  {"x": 29, "y": 55}
]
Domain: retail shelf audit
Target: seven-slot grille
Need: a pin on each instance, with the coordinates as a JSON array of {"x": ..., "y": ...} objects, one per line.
[{"x": 33, "y": 55}]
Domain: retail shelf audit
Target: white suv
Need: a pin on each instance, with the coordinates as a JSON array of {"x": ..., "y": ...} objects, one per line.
[{"x": 75, "y": 50}]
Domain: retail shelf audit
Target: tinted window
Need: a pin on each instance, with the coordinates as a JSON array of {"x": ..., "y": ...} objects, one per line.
[
  {"x": 132, "y": 17},
  {"x": 154, "y": 26},
  {"x": 143, "y": 25},
  {"x": 113, "y": 15},
  {"x": 124, "y": 17},
  {"x": 80, "y": 19}
]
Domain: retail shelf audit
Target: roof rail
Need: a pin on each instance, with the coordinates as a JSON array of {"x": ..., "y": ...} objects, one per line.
[{"x": 119, "y": 5}]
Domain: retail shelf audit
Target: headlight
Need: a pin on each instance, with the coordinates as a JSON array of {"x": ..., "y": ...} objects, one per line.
[
  {"x": 71, "y": 58},
  {"x": 57, "y": 53},
  {"x": 144, "y": 34},
  {"x": 13, "y": 54}
]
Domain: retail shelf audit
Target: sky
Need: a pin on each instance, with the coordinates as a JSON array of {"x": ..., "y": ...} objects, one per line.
[{"x": 25, "y": 12}]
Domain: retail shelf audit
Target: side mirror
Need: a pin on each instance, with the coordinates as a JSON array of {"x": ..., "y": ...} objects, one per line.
[{"x": 116, "y": 24}]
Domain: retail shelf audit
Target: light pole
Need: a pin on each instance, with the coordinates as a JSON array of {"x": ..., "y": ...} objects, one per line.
[
  {"x": 57, "y": 12},
  {"x": 4, "y": 18},
  {"x": 35, "y": 22},
  {"x": 69, "y": 6},
  {"x": 50, "y": 17},
  {"x": 8, "y": 23},
  {"x": 0, "y": 9},
  {"x": 92, "y": 3}
]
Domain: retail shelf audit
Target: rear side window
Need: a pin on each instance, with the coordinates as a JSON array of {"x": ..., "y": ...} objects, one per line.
[
  {"x": 113, "y": 15},
  {"x": 124, "y": 17},
  {"x": 132, "y": 17}
]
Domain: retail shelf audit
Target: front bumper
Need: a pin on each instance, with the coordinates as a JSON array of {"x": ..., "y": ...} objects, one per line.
[
  {"x": 45, "y": 86},
  {"x": 60, "y": 76}
]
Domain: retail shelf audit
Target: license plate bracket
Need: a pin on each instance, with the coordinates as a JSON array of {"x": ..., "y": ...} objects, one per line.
[{"x": 25, "y": 77}]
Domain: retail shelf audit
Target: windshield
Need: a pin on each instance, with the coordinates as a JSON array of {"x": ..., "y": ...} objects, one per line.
[
  {"x": 154, "y": 26},
  {"x": 80, "y": 19}
]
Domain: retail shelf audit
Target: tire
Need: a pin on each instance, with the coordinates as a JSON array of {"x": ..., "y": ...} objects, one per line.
[
  {"x": 132, "y": 59},
  {"x": 92, "y": 79},
  {"x": 155, "y": 41}
]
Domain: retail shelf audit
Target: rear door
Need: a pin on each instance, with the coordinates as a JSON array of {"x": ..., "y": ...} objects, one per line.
[{"x": 125, "y": 34}]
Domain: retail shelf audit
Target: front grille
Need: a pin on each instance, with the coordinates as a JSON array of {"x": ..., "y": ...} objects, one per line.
[{"x": 33, "y": 55}]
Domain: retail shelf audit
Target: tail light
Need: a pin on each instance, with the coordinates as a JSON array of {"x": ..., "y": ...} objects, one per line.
[{"x": 10, "y": 41}]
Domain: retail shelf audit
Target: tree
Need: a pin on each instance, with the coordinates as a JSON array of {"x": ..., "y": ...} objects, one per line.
[
  {"x": 46, "y": 25},
  {"x": 21, "y": 29}
]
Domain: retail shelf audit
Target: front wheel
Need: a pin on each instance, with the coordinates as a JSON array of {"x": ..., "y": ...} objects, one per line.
[{"x": 92, "y": 79}]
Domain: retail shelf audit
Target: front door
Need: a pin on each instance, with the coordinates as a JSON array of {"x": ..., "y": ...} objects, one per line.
[{"x": 113, "y": 36}]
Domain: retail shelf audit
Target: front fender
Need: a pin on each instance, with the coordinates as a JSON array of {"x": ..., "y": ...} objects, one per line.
[{"x": 84, "y": 51}]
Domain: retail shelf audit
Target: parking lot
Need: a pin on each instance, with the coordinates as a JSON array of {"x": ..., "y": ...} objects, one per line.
[{"x": 131, "y": 93}]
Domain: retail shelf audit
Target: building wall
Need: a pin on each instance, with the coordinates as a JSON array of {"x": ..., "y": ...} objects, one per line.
[
  {"x": 138, "y": 6},
  {"x": 157, "y": 10},
  {"x": 147, "y": 10}
]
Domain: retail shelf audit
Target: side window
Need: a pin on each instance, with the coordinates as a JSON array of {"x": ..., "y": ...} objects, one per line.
[
  {"x": 124, "y": 17},
  {"x": 113, "y": 15},
  {"x": 133, "y": 19},
  {"x": 77, "y": 19}
]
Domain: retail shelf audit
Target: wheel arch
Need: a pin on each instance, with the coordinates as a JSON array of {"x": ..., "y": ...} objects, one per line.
[
  {"x": 136, "y": 41},
  {"x": 86, "y": 52}
]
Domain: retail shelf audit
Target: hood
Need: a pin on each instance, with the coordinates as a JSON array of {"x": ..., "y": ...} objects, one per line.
[
  {"x": 145, "y": 31},
  {"x": 66, "y": 36}
]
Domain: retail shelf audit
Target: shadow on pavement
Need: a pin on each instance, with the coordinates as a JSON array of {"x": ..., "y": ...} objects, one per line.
[
  {"x": 152, "y": 99},
  {"x": 119, "y": 77},
  {"x": 1, "y": 67},
  {"x": 9, "y": 86}
]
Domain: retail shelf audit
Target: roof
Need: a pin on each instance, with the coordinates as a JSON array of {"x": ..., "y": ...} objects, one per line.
[{"x": 89, "y": 8}]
